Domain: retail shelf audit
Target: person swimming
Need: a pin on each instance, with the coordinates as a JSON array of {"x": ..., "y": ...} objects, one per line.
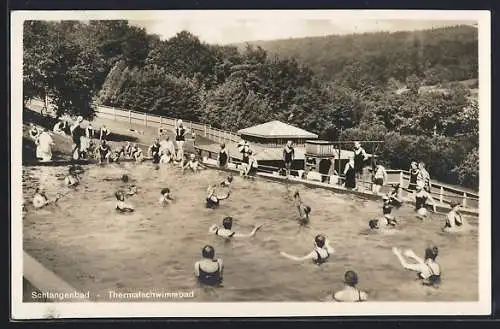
[
  {"x": 226, "y": 230},
  {"x": 132, "y": 190},
  {"x": 121, "y": 206},
  {"x": 212, "y": 200},
  {"x": 303, "y": 209},
  {"x": 394, "y": 196},
  {"x": 384, "y": 222},
  {"x": 209, "y": 270},
  {"x": 165, "y": 198},
  {"x": 350, "y": 293},
  {"x": 41, "y": 200},
  {"x": 321, "y": 252},
  {"x": 454, "y": 220},
  {"x": 428, "y": 270},
  {"x": 227, "y": 182}
]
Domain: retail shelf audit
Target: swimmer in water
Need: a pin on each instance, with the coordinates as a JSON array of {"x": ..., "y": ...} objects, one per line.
[
  {"x": 193, "y": 164},
  {"x": 454, "y": 220},
  {"x": 121, "y": 206},
  {"x": 428, "y": 270},
  {"x": 421, "y": 198},
  {"x": 227, "y": 182},
  {"x": 212, "y": 200},
  {"x": 165, "y": 198},
  {"x": 132, "y": 190},
  {"x": 304, "y": 210},
  {"x": 384, "y": 222},
  {"x": 41, "y": 200},
  {"x": 72, "y": 178},
  {"x": 226, "y": 230},
  {"x": 209, "y": 270},
  {"x": 350, "y": 293},
  {"x": 321, "y": 252}
]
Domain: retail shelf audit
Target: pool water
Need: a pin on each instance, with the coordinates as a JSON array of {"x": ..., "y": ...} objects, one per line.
[{"x": 92, "y": 247}]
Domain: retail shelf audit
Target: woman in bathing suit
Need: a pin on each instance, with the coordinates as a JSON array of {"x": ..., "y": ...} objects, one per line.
[
  {"x": 40, "y": 199},
  {"x": 350, "y": 293},
  {"x": 212, "y": 200},
  {"x": 209, "y": 270},
  {"x": 428, "y": 270},
  {"x": 394, "y": 196},
  {"x": 421, "y": 198},
  {"x": 193, "y": 164},
  {"x": 121, "y": 206},
  {"x": 226, "y": 230},
  {"x": 321, "y": 252},
  {"x": 227, "y": 182},
  {"x": 72, "y": 178},
  {"x": 223, "y": 157}
]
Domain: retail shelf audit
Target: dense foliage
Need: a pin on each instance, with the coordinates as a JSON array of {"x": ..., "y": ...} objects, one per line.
[{"x": 374, "y": 88}]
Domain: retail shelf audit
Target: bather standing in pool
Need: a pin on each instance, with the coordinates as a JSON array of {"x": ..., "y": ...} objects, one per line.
[
  {"x": 212, "y": 200},
  {"x": 165, "y": 198},
  {"x": 350, "y": 293},
  {"x": 321, "y": 252},
  {"x": 41, "y": 200},
  {"x": 421, "y": 198},
  {"x": 121, "y": 205},
  {"x": 193, "y": 164},
  {"x": 454, "y": 220},
  {"x": 209, "y": 270},
  {"x": 72, "y": 178},
  {"x": 226, "y": 230}
]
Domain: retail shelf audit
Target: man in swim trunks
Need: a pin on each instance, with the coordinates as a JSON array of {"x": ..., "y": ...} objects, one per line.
[
  {"x": 350, "y": 293},
  {"x": 322, "y": 251},
  {"x": 428, "y": 270},
  {"x": 226, "y": 230},
  {"x": 288, "y": 156},
  {"x": 209, "y": 270},
  {"x": 212, "y": 200}
]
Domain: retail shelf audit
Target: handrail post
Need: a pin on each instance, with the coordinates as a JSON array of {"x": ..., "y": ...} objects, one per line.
[
  {"x": 441, "y": 192},
  {"x": 114, "y": 114},
  {"x": 205, "y": 129},
  {"x": 401, "y": 179},
  {"x": 145, "y": 119},
  {"x": 130, "y": 117},
  {"x": 464, "y": 200}
]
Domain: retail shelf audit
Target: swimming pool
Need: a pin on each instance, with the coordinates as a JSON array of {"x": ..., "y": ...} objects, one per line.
[{"x": 89, "y": 245}]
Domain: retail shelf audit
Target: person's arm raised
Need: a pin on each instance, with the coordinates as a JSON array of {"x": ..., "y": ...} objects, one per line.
[
  {"x": 256, "y": 228},
  {"x": 311, "y": 255},
  {"x": 404, "y": 263}
]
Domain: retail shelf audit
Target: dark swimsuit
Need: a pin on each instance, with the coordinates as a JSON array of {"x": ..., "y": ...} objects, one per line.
[
  {"x": 222, "y": 158},
  {"x": 320, "y": 260},
  {"x": 155, "y": 150},
  {"x": 210, "y": 278},
  {"x": 287, "y": 156},
  {"x": 458, "y": 221},
  {"x": 433, "y": 279},
  {"x": 359, "y": 160},
  {"x": 179, "y": 134},
  {"x": 350, "y": 177},
  {"x": 211, "y": 203},
  {"x": 413, "y": 179},
  {"x": 420, "y": 202}
]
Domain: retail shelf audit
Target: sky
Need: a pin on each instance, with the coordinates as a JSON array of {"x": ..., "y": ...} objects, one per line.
[{"x": 225, "y": 31}]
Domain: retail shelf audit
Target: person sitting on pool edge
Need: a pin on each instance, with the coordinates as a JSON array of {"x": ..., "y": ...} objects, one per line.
[
  {"x": 165, "y": 196},
  {"x": 193, "y": 164},
  {"x": 227, "y": 232},
  {"x": 209, "y": 270},
  {"x": 428, "y": 269},
  {"x": 304, "y": 210},
  {"x": 212, "y": 200},
  {"x": 250, "y": 169},
  {"x": 454, "y": 220},
  {"x": 40, "y": 199},
  {"x": 121, "y": 206},
  {"x": 227, "y": 182},
  {"x": 322, "y": 251},
  {"x": 137, "y": 154},
  {"x": 350, "y": 293}
]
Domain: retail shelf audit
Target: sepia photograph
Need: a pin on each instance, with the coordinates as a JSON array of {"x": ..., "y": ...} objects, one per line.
[{"x": 284, "y": 163}]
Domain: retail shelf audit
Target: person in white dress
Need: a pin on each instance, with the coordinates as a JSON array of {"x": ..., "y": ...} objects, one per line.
[{"x": 44, "y": 144}]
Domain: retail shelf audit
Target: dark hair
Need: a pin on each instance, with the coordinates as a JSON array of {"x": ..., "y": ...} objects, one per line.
[
  {"x": 320, "y": 240},
  {"x": 208, "y": 252},
  {"x": 227, "y": 222},
  {"x": 230, "y": 178},
  {"x": 296, "y": 194},
  {"x": 222, "y": 145},
  {"x": 124, "y": 178},
  {"x": 351, "y": 278},
  {"x": 307, "y": 210},
  {"x": 165, "y": 190},
  {"x": 431, "y": 252},
  {"x": 118, "y": 195},
  {"x": 373, "y": 223}
]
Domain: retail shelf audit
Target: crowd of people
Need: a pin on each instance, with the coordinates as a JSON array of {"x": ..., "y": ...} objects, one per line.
[{"x": 209, "y": 270}]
